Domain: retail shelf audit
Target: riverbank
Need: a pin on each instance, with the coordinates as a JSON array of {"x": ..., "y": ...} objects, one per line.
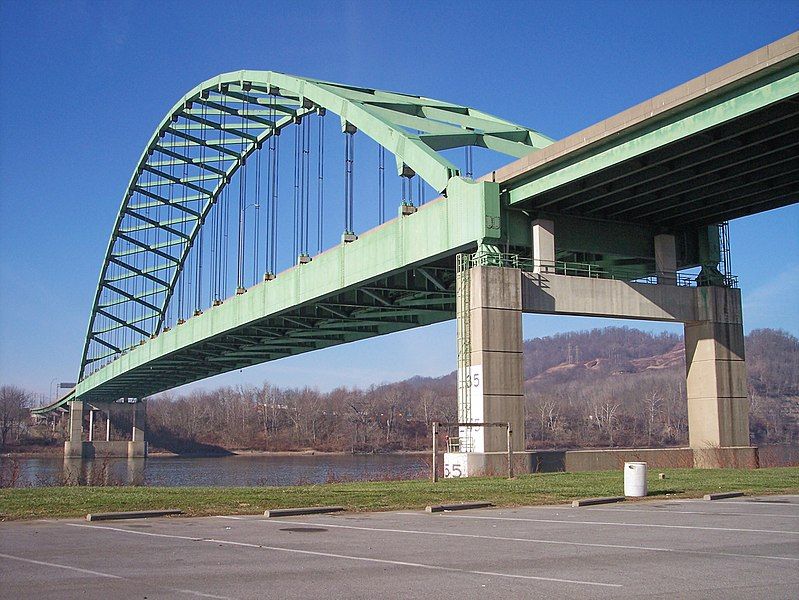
[
  {"x": 545, "y": 488},
  {"x": 50, "y": 451}
]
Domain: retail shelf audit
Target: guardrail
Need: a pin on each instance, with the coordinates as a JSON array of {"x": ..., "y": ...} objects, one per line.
[{"x": 574, "y": 269}]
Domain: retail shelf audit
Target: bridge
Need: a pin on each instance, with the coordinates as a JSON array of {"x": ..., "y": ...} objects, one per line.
[{"x": 220, "y": 259}]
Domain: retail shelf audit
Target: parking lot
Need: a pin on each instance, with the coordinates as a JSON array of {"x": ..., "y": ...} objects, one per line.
[{"x": 737, "y": 548}]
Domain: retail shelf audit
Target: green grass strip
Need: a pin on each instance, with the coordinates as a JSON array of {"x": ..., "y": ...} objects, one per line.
[{"x": 526, "y": 490}]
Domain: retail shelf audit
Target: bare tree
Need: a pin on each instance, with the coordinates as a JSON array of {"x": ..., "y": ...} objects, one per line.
[
  {"x": 652, "y": 406},
  {"x": 605, "y": 415},
  {"x": 14, "y": 402}
]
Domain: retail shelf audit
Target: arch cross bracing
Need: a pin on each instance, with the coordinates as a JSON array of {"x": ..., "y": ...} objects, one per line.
[{"x": 204, "y": 140}]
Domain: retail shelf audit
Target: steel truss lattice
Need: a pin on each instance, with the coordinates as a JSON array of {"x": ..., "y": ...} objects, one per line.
[{"x": 203, "y": 141}]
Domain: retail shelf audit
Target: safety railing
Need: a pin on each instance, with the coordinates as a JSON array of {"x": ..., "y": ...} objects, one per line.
[{"x": 575, "y": 269}]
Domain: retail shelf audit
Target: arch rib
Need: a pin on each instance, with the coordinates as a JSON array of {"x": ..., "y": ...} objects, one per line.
[{"x": 185, "y": 169}]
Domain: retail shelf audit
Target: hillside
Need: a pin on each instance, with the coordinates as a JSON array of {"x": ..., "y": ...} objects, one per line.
[{"x": 604, "y": 387}]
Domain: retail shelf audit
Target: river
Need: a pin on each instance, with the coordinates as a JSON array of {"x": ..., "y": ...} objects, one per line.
[
  {"x": 234, "y": 470},
  {"x": 247, "y": 469}
]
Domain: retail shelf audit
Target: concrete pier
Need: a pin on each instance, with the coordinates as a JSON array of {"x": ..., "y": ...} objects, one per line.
[
  {"x": 83, "y": 445},
  {"x": 718, "y": 403},
  {"x": 718, "y": 407},
  {"x": 494, "y": 382}
]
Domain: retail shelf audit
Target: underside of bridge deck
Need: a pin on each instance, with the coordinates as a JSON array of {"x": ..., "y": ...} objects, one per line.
[
  {"x": 719, "y": 147},
  {"x": 412, "y": 298}
]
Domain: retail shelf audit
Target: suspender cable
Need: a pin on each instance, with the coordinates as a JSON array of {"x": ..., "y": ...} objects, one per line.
[
  {"x": 242, "y": 226},
  {"x": 200, "y": 223},
  {"x": 190, "y": 256},
  {"x": 270, "y": 188},
  {"x": 225, "y": 240},
  {"x": 349, "y": 160},
  {"x": 212, "y": 237},
  {"x": 175, "y": 303},
  {"x": 274, "y": 201},
  {"x": 199, "y": 278},
  {"x": 306, "y": 183},
  {"x": 221, "y": 208},
  {"x": 320, "y": 182},
  {"x": 297, "y": 135},
  {"x": 381, "y": 183},
  {"x": 257, "y": 225},
  {"x": 216, "y": 247}
]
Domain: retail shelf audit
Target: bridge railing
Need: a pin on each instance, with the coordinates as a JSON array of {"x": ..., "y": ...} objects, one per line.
[{"x": 575, "y": 269}]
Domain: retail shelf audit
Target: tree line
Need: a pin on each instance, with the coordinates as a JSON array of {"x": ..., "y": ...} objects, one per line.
[{"x": 605, "y": 387}]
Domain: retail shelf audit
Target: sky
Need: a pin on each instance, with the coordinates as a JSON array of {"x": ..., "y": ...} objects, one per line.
[{"x": 84, "y": 84}]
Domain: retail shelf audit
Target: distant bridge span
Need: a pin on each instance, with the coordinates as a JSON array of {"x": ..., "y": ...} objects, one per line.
[{"x": 721, "y": 146}]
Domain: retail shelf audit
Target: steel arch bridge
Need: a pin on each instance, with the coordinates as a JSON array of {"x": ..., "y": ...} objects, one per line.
[
  {"x": 208, "y": 136},
  {"x": 167, "y": 311}
]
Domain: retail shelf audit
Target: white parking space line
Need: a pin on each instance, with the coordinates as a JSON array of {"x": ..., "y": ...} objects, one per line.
[
  {"x": 770, "y": 504},
  {"x": 611, "y": 523},
  {"x": 666, "y": 511},
  {"x": 350, "y": 557},
  {"x": 514, "y": 539},
  {"x": 43, "y": 563},
  {"x": 60, "y": 566}
]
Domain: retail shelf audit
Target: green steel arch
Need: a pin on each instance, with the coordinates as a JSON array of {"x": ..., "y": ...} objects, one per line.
[{"x": 203, "y": 141}]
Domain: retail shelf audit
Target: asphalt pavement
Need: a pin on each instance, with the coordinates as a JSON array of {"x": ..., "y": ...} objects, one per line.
[{"x": 736, "y": 548}]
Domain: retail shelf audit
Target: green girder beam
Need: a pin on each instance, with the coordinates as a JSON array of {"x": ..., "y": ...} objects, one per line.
[
  {"x": 670, "y": 131},
  {"x": 461, "y": 220}
]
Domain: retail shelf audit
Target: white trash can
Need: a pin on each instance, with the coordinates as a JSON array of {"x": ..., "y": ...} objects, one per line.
[{"x": 635, "y": 479}]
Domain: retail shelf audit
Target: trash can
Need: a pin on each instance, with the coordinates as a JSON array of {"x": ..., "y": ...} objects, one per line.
[{"x": 635, "y": 479}]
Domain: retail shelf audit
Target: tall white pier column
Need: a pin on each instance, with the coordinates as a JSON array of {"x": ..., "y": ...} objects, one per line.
[{"x": 490, "y": 379}]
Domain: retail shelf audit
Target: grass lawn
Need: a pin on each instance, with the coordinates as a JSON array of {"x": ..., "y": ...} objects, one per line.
[{"x": 525, "y": 490}]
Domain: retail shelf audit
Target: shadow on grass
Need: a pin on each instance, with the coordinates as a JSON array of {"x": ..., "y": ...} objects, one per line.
[{"x": 665, "y": 492}]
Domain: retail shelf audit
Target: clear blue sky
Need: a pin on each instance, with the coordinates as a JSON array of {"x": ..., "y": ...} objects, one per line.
[{"x": 85, "y": 83}]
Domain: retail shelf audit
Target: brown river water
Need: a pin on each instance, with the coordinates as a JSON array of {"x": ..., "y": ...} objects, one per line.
[{"x": 235, "y": 470}]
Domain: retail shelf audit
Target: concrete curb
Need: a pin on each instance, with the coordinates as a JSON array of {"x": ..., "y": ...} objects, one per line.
[
  {"x": 310, "y": 510},
  {"x": 593, "y": 501},
  {"x": 462, "y": 506},
  {"x": 136, "y": 514},
  {"x": 722, "y": 495}
]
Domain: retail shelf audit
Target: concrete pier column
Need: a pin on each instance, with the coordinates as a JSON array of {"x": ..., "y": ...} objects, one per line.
[
  {"x": 137, "y": 447},
  {"x": 73, "y": 447},
  {"x": 543, "y": 235},
  {"x": 76, "y": 421},
  {"x": 718, "y": 406},
  {"x": 666, "y": 259},
  {"x": 495, "y": 390},
  {"x": 91, "y": 423}
]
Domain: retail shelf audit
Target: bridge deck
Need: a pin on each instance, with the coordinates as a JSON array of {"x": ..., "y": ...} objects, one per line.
[{"x": 721, "y": 146}]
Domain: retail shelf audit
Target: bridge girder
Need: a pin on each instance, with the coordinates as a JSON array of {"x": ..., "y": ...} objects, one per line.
[{"x": 304, "y": 328}]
